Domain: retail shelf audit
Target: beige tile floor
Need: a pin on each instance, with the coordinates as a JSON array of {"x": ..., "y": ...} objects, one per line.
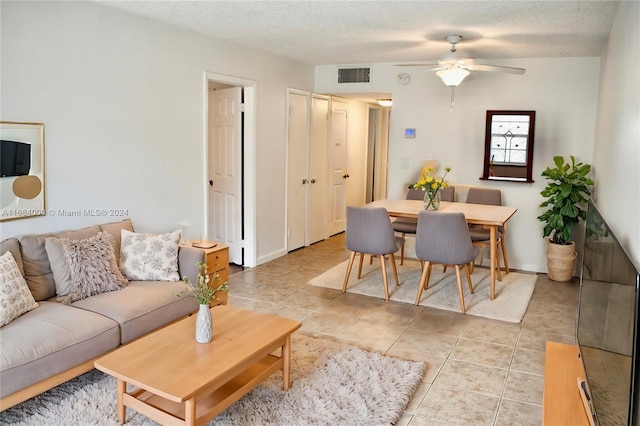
[{"x": 478, "y": 371}]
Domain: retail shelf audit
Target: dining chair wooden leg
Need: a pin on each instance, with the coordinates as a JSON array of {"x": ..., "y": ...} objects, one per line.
[
  {"x": 395, "y": 269},
  {"x": 360, "y": 265},
  {"x": 402, "y": 250},
  {"x": 385, "y": 281},
  {"x": 346, "y": 277},
  {"x": 467, "y": 268},
  {"x": 460, "y": 293},
  {"x": 424, "y": 281},
  {"x": 504, "y": 255}
]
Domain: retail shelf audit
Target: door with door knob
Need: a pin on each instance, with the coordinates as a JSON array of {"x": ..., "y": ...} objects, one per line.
[
  {"x": 307, "y": 136},
  {"x": 338, "y": 168},
  {"x": 317, "y": 225}
]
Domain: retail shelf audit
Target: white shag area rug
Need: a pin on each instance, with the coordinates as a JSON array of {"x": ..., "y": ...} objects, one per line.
[
  {"x": 513, "y": 293},
  {"x": 332, "y": 383}
]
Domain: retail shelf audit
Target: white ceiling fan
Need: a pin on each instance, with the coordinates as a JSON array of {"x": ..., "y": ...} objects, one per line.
[{"x": 454, "y": 66}]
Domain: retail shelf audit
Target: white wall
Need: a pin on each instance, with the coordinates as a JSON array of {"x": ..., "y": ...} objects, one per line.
[
  {"x": 122, "y": 99},
  {"x": 616, "y": 156},
  {"x": 562, "y": 91}
]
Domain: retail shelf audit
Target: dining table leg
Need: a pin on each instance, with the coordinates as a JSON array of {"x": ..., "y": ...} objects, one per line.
[{"x": 493, "y": 235}]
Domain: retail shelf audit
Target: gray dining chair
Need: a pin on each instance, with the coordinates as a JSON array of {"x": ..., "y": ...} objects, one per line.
[
  {"x": 443, "y": 238},
  {"x": 481, "y": 236},
  {"x": 408, "y": 225},
  {"x": 369, "y": 231}
]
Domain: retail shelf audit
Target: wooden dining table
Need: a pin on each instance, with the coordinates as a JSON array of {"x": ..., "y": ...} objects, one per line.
[{"x": 488, "y": 216}]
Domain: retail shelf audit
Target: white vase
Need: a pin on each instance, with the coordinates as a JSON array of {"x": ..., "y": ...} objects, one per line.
[{"x": 203, "y": 324}]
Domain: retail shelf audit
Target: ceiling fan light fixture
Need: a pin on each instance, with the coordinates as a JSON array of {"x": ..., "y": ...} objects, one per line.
[
  {"x": 453, "y": 76},
  {"x": 385, "y": 102}
]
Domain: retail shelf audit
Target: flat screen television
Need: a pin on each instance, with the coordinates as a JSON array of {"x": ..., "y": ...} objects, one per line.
[
  {"x": 15, "y": 158},
  {"x": 607, "y": 330}
]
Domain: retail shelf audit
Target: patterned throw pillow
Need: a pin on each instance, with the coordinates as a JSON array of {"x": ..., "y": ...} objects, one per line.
[
  {"x": 15, "y": 297},
  {"x": 93, "y": 267},
  {"x": 150, "y": 257}
]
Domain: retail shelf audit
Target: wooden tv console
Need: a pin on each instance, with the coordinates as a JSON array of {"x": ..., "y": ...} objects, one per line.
[{"x": 562, "y": 403}]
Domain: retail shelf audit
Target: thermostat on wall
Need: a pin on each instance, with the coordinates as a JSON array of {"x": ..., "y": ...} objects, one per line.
[{"x": 409, "y": 133}]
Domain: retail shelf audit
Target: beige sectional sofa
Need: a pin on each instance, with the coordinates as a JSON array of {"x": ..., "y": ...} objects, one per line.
[{"x": 55, "y": 342}]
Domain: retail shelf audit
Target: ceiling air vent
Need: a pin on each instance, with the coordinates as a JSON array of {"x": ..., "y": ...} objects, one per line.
[{"x": 353, "y": 75}]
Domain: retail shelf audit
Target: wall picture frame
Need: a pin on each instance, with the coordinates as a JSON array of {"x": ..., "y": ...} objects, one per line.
[{"x": 22, "y": 180}]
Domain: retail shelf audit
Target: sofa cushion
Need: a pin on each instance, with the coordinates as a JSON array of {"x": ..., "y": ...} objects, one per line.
[
  {"x": 49, "y": 340},
  {"x": 142, "y": 306},
  {"x": 15, "y": 297},
  {"x": 37, "y": 270},
  {"x": 114, "y": 229},
  {"x": 92, "y": 266},
  {"x": 13, "y": 245},
  {"x": 150, "y": 256}
]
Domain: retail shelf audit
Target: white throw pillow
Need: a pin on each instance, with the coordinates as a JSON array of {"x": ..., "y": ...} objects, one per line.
[
  {"x": 15, "y": 297},
  {"x": 150, "y": 257}
]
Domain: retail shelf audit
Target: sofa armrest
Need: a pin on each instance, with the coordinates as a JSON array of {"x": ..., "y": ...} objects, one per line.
[{"x": 188, "y": 258}]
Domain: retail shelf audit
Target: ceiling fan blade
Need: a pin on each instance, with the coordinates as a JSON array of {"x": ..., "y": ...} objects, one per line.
[
  {"x": 416, "y": 65},
  {"x": 495, "y": 68},
  {"x": 433, "y": 67}
]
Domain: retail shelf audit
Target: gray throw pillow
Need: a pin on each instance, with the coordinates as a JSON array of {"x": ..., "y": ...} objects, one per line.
[
  {"x": 59, "y": 266},
  {"x": 93, "y": 267}
]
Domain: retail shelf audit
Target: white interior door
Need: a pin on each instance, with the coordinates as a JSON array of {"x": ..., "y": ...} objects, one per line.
[
  {"x": 225, "y": 170},
  {"x": 297, "y": 175},
  {"x": 337, "y": 168},
  {"x": 318, "y": 182}
]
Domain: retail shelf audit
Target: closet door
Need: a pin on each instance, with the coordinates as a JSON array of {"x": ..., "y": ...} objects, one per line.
[
  {"x": 318, "y": 181},
  {"x": 307, "y": 173},
  {"x": 297, "y": 169}
]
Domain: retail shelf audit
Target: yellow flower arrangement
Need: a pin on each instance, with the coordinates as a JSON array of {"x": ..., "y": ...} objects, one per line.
[{"x": 431, "y": 185}]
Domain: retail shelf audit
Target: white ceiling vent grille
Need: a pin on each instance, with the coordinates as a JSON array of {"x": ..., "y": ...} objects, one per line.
[{"x": 354, "y": 75}]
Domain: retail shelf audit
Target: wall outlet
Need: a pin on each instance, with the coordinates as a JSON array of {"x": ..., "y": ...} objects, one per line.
[{"x": 404, "y": 163}]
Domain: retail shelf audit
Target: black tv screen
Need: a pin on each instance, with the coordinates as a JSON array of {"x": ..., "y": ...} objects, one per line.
[
  {"x": 607, "y": 330},
  {"x": 15, "y": 158}
]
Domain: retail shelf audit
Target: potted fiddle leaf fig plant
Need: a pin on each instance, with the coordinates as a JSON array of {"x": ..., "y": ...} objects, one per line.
[{"x": 567, "y": 191}]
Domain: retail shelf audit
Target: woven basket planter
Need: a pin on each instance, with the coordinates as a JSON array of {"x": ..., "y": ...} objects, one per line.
[{"x": 561, "y": 261}]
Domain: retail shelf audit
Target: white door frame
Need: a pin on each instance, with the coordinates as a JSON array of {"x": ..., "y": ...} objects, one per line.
[{"x": 250, "y": 161}]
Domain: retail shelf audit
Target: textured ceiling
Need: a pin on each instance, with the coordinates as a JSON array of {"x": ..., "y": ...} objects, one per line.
[{"x": 359, "y": 32}]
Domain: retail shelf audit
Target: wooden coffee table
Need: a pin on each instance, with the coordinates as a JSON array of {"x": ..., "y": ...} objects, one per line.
[{"x": 182, "y": 382}]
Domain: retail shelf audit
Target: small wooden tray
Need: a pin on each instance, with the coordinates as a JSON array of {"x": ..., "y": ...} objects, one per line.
[{"x": 204, "y": 244}]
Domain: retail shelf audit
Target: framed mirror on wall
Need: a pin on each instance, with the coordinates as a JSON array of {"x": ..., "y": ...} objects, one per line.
[
  {"x": 21, "y": 170},
  {"x": 508, "y": 145}
]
